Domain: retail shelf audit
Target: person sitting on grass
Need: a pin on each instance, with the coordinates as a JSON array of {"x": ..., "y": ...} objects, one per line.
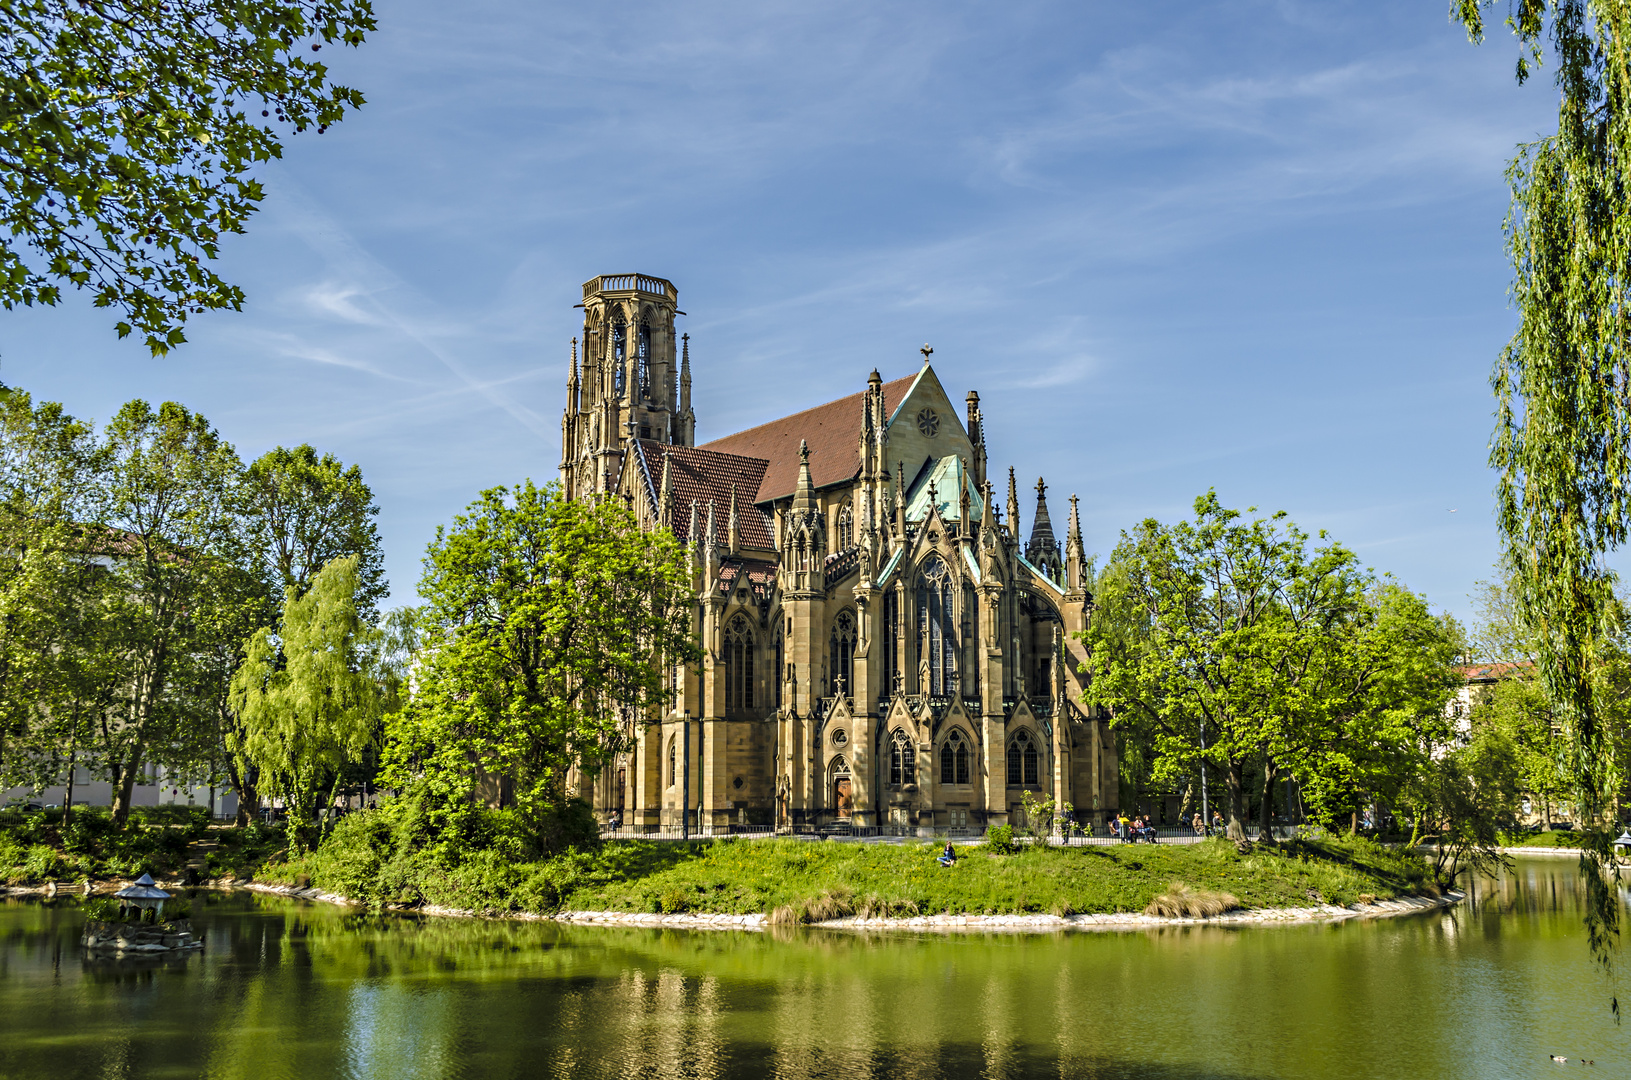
[{"x": 947, "y": 857}]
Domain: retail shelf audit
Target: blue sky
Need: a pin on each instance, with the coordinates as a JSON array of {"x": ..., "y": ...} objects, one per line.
[{"x": 1247, "y": 245}]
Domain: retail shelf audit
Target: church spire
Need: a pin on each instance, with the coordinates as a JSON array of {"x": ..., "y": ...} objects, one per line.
[
  {"x": 1013, "y": 505},
  {"x": 691, "y": 538},
  {"x": 963, "y": 523},
  {"x": 572, "y": 383},
  {"x": 804, "y": 496},
  {"x": 665, "y": 495},
  {"x": 735, "y": 528},
  {"x": 900, "y": 498},
  {"x": 1075, "y": 558},
  {"x": 1043, "y": 549},
  {"x": 685, "y": 428}
]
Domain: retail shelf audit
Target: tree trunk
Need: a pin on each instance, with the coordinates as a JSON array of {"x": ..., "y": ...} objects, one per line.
[
  {"x": 68, "y": 796},
  {"x": 1187, "y": 806},
  {"x": 124, "y": 787},
  {"x": 1266, "y": 811},
  {"x": 248, "y": 797},
  {"x": 1237, "y": 786}
]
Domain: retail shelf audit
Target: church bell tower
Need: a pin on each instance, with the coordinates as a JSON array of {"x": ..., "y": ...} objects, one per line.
[{"x": 635, "y": 383}]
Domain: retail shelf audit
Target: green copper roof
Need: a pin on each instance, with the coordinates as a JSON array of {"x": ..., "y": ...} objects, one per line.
[{"x": 948, "y": 478}]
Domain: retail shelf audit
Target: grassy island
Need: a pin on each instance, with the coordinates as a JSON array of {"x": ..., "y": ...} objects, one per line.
[
  {"x": 804, "y": 881},
  {"x": 369, "y": 861}
]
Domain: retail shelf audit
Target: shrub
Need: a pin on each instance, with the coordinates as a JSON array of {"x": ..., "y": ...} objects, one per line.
[
  {"x": 1000, "y": 839},
  {"x": 831, "y": 904},
  {"x": 12, "y": 854},
  {"x": 41, "y": 863},
  {"x": 1182, "y": 902}
]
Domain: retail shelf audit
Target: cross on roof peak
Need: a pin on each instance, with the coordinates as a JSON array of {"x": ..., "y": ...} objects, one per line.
[{"x": 926, "y": 351}]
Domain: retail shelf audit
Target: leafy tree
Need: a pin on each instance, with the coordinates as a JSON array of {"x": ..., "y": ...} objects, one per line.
[
  {"x": 1204, "y": 631},
  {"x": 169, "y": 525},
  {"x": 1231, "y": 642},
  {"x": 1375, "y": 715},
  {"x": 309, "y": 509},
  {"x": 48, "y": 463},
  {"x": 1562, "y": 442},
  {"x": 1517, "y": 708},
  {"x": 129, "y": 140},
  {"x": 1462, "y": 799},
  {"x": 308, "y": 700},
  {"x": 234, "y": 605},
  {"x": 549, "y": 627}
]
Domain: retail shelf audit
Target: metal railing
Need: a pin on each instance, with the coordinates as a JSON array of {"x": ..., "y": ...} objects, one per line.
[
  {"x": 606, "y": 283},
  {"x": 1101, "y": 836},
  {"x": 1098, "y": 835},
  {"x": 695, "y": 832}
]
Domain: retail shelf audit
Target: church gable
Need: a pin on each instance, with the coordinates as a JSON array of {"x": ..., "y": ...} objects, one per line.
[{"x": 926, "y": 425}]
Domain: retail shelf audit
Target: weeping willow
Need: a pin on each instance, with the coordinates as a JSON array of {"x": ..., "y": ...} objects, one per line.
[{"x": 1562, "y": 441}]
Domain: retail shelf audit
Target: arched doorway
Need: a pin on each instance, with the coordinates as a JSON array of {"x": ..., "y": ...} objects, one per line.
[{"x": 843, "y": 794}]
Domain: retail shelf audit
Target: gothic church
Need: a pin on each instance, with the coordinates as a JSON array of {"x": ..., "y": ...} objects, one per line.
[{"x": 880, "y": 647}]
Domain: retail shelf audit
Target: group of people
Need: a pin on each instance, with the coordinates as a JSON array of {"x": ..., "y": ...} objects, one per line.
[
  {"x": 1199, "y": 824},
  {"x": 1130, "y": 830}
]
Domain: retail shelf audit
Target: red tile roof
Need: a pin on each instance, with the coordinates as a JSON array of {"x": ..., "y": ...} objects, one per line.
[
  {"x": 1491, "y": 672},
  {"x": 833, "y": 432},
  {"x": 706, "y": 476},
  {"x": 758, "y": 575}
]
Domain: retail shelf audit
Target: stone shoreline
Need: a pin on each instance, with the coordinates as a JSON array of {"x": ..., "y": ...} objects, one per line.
[{"x": 1322, "y": 913}]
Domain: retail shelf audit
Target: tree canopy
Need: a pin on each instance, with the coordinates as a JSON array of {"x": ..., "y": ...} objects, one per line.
[
  {"x": 1232, "y": 642},
  {"x": 309, "y": 699},
  {"x": 1562, "y": 443},
  {"x": 129, "y": 141},
  {"x": 550, "y": 628},
  {"x": 141, "y": 560}
]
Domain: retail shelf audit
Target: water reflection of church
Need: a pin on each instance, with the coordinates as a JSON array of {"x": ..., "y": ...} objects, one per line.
[{"x": 879, "y": 646}]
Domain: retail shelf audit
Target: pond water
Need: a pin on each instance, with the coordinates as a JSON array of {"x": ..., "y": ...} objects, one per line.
[{"x": 288, "y": 989}]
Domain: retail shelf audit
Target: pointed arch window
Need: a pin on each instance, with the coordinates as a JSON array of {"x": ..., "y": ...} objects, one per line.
[
  {"x": 673, "y": 747},
  {"x": 1023, "y": 761},
  {"x": 891, "y": 626},
  {"x": 781, "y": 664},
  {"x": 738, "y": 667},
  {"x": 643, "y": 360},
  {"x": 902, "y": 760},
  {"x": 841, "y": 655},
  {"x": 937, "y": 634},
  {"x": 846, "y": 528},
  {"x": 620, "y": 353},
  {"x": 971, "y": 642},
  {"x": 954, "y": 759}
]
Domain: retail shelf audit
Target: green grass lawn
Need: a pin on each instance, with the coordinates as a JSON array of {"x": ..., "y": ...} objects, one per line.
[
  {"x": 1559, "y": 838},
  {"x": 813, "y": 880}
]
